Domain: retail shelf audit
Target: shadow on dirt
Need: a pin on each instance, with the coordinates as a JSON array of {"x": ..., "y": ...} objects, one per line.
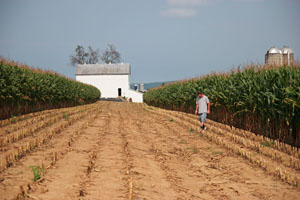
[{"x": 112, "y": 99}]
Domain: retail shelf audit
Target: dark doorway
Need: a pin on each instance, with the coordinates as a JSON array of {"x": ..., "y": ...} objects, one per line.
[{"x": 119, "y": 92}]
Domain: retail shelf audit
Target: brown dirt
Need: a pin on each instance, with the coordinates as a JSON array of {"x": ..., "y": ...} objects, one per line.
[{"x": 131, "y": 151}]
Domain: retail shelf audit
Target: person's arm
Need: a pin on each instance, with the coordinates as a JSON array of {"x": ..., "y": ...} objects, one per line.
[
  {"x": 196, "y": 111},
  {"x": 208, "y": 107}
]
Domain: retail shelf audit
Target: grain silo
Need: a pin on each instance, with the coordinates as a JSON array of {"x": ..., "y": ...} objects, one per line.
[
  {"x": 284, "y": 56},
  {"x": 287, "y": 56},
  {"x": 142, "y": 87},
  {"x": 273, "y": 57}
]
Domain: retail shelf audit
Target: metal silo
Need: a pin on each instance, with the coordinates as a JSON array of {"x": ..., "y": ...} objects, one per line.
[
  {"x": 273, "y": 57},
  {"x": 287, "y": 56},
  {"x": 142, "y": 87}
]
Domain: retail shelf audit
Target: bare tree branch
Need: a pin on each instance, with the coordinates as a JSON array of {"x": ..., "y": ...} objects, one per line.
[
  {"x": 111, "y": 55},
  {"x": 81, "y": 57},
  {"x": 93, "y": 55}
]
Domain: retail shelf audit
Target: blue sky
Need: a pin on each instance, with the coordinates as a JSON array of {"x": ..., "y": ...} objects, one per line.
[{"x": 163, "y": 40}]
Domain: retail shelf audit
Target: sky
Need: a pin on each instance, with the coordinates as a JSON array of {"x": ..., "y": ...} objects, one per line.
[{"x": 163, "y": 40}]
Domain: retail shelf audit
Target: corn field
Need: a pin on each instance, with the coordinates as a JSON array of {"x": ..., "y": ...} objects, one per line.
[
  {"x": 155, "y": 151},
  {"x": 262, "y": 100},
  {"x": 24, "y": 90}
]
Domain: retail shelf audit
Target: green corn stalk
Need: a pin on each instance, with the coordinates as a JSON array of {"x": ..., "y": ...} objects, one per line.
[
  {"x": 263, "y": 100},
  {"x": 22, "y": 90}
]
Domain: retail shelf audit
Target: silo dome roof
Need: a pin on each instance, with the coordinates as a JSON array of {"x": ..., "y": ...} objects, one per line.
[
  {"x": 286, "y": 50},
  {"x": 274, "y": 50}
]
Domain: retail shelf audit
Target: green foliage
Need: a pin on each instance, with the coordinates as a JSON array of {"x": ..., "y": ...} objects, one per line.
[
  {"x": 171, "y": 120},
  {"x": 37, "y": 172},
  {"x": 193, "y": 149},
  {"x": 217, "y": 152},
  {"x": 182, "y": 142},
  {"x": 262, "y": 100},
  {"x": 191, "y": 130},
  {"x": 14, "y": 119},
  {"x": 66, "y": 116},
  {"x": 267, "y": 144},
  {"x": 20, "y": 86}
]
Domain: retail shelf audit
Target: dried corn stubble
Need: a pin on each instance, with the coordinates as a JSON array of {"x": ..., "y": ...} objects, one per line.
[
  {"x": 11, "y": 156},
  {"x": 286, "y": 176}
]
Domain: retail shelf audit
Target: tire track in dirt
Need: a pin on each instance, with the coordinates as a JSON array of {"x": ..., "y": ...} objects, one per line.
[
  {"x": 110, "y": 179},
  {"x": 148, "y": 179},
  {"x": 179, "y": 158},
  {"x": 153, "y": 179},
  {"x": 93, "y": 166},
  {"x": 135, "y": 164},
  {"x": 166, "y": 152},
  {"x": 128, "y": 156}
]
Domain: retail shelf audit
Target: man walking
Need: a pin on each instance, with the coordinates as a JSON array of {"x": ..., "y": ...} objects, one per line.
[{"x": 202, "y": 108}]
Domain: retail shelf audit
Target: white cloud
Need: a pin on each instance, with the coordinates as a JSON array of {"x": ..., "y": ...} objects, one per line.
[
  {"x": 179, "y": 12},
  {"x": 247, "y": 0},
  {"x": 188, "y": 8},
  {"x": 183, "y": 8},
  {"x": 186, "y": 3}
]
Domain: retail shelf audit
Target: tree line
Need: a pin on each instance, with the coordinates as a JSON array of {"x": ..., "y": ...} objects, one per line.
[{"x": 91, "y": 56}]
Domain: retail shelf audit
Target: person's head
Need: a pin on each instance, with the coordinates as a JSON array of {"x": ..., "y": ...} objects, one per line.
[{"x": 200, "y": 93}]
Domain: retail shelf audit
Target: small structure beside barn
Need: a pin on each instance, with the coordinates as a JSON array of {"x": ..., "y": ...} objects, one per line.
[
  {"x": 275, "y": 56},
  {"x": 111, "y": 79}
]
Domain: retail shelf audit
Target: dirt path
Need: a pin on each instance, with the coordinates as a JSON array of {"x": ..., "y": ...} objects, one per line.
[{"x": 125, "y": 151}]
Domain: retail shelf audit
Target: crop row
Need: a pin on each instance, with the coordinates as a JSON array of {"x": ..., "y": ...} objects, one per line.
[
  {"x": 27, "y": 131},
  {"x": 259, "y": 139},
  {"x": 54, "y": 157},
  {"x": 23, "y": 90},
  {"x": 40, "y": 117},
  {"x": 33, "y": 118},
  {"x": 14, "y": 119},
  {"x": 249, "y": 148},
  {"x": 262, "y": 100},
  {"x": 19, "y": 150},
  {"x": 271, "y": 148}
]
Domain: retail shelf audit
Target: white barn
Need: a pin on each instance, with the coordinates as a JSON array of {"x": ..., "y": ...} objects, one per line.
[{"x": 111, "y": 79}]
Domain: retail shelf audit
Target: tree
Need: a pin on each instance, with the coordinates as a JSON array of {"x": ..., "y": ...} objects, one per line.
[
  {"x": 81, "y": 57},
  {"x": 111, "y": 55},
  {"x": 93, "y": 56}
]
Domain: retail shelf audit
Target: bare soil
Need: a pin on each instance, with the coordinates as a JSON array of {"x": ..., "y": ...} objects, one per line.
[{"x": 132, "y": 151}]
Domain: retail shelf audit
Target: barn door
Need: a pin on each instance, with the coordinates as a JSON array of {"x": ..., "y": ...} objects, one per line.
[{"x": 119, "y": 92}]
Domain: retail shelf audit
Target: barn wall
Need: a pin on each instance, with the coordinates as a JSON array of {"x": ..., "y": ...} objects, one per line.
[
  {"x": 107, "y": 84},
  {"x": 135, "y": 96}
]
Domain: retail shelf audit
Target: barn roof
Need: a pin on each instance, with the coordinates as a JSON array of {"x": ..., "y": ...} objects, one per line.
[{"x": 103, "y": 69}]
